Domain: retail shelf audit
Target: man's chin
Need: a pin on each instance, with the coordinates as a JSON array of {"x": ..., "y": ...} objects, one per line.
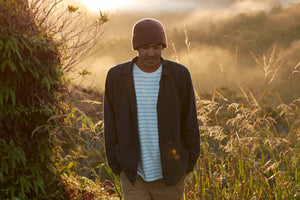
[{"x": 152, "y": 63}]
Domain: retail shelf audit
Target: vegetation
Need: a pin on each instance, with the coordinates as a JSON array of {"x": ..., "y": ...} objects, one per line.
[
  {"x": 222, "y": 42},
  {"x": 249, "y": 141},
  {"x": 51, "y": 135},
  {"x": 253, "y": 31},
  {"x": 250, "y": 149},
  {"x": 35, "y": 54},
  {"x": 30, "y": 86}
]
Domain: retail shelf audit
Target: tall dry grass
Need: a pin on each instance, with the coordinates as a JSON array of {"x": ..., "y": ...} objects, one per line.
[{"x": 250, "y": 142}]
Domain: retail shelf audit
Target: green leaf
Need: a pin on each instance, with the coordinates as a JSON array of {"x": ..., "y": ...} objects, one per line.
[
  {"x": 46, "y": 82},
  {"x": 3, "y": 65},
  {"x": 34, "y": 73},
  {"x": 8, "y": 47},
  {"x": 6, "y": 94},
  {"x": 15, "y": 48},
  {"x": 1, "y": 176},
  {"x": 37, "y": 61},
  {"x": 36, "y": 187},
  {"x": 26, "y": 45},
  {"x": 1, "y": 45},
  {"x": 72, "y": 8},
  {"x": 39, "y": 182},
  {"x": 42, "y": 154},
  {"x": 22, "y": 196},
  {"x": 13, "y": 96},
  {"x": 21, "y": 155},
  {"x": 22, "y": 66},
  {"x": 70, "y": 165},
  {"x": 12, "y": 190},
  {"x": 4, "y": 166},
  {"x": 12, "y": 65},
  {"x": 84, "y": 73}
]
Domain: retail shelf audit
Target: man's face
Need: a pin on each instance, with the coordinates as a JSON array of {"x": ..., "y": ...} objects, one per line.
[{"x": 149, "y": 57}]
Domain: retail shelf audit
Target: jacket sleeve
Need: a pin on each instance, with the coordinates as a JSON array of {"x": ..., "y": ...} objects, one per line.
[
  {"x": 110, "y": 132},
  {"x": 189, "y": 124}
]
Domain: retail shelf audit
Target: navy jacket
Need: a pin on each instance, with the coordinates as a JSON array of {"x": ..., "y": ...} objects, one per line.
[{"x": 179, "y": 139}]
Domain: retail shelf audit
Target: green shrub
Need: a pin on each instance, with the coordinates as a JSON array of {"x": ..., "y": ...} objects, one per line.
[{"x": 30, "y": 84}]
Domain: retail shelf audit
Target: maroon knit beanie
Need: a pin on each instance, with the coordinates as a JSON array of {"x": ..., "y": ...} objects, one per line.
[{"x": 148, "y": 31}]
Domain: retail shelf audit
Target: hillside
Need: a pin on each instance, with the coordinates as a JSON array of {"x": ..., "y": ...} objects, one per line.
[{"x": 223, "y": 50}]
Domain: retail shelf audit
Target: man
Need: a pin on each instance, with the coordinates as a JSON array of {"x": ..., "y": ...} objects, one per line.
[{"x": 150, "y": 119}]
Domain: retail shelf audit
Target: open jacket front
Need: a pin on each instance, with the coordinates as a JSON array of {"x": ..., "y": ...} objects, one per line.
[{"x": 178, "y": 129}]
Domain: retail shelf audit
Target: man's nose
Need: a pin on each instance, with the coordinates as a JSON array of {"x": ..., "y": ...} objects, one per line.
[{"x": 151, "y": 52}]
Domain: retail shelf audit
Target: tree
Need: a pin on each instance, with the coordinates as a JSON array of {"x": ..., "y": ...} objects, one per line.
[
  {"x": 35, "y": 53},
  {"x": 78, "y": 31}
]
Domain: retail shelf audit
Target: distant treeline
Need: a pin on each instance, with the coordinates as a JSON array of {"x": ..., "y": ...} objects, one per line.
[
  {"x": 255, "y": 31},
  {"x": 241, "y": 47}
]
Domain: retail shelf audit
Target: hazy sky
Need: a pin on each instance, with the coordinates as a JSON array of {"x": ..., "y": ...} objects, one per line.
[
  {"x": 184, "y": 5},
  {"x": 195, "y": 13}
]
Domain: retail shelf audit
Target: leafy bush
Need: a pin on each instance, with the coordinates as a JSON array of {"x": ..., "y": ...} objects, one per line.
[
  {"x": 29, "y": 89},
  {"x": 39, "y": 41},
  {"x": 82, "y": 163}
]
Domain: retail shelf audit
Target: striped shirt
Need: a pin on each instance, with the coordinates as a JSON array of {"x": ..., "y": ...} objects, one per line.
[{"x": 146, "y": 90}]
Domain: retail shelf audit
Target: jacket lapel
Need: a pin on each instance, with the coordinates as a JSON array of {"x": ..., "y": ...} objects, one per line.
[{"x": 129, "y": 85}]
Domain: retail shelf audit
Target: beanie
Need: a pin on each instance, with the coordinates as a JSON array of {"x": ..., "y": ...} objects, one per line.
[{"x": 148, "y": 31}]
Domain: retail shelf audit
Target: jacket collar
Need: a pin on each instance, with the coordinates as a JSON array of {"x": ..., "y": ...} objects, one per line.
[{"x": 128, "y": 68}]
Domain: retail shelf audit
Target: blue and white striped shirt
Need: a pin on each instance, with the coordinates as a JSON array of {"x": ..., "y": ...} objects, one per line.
[{"x": 146, "y": 90}]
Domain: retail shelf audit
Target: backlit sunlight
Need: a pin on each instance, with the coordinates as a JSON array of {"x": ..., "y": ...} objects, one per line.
[{"x": 105, "y": 5}]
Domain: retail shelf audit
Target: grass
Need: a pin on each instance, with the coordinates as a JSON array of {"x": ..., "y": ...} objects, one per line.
[
  {"x": 246, "y": 158},
  {"x": 250, "y": 144}
]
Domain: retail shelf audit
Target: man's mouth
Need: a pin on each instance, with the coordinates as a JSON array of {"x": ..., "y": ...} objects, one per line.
[{"x": 150, "y": 60}]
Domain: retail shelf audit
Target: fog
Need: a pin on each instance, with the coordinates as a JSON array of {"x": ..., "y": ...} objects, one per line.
[
  {"x": 224, "y": 42},
  {"x": 188, "y": 5}
]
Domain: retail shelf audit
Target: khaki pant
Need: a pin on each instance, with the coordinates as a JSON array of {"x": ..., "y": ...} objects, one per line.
[{"x": 155, "y": 190}]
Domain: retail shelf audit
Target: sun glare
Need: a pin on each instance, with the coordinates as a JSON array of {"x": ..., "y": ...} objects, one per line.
[{"x": 105, "y": 5}]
